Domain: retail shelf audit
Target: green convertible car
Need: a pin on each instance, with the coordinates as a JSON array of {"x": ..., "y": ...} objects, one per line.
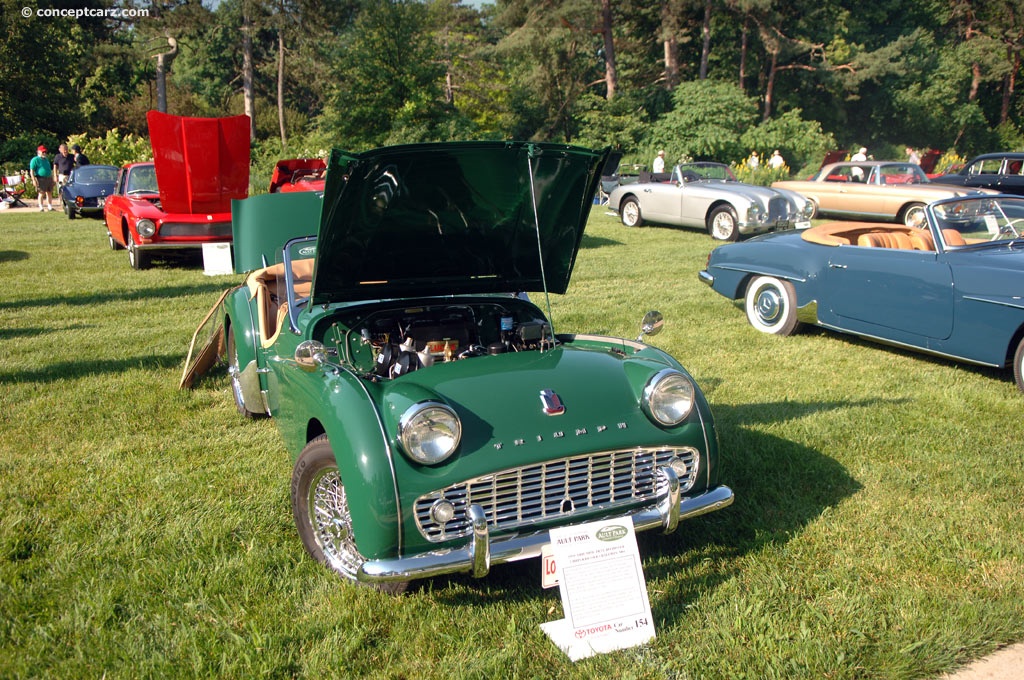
[{"x": 437, "y": 420}]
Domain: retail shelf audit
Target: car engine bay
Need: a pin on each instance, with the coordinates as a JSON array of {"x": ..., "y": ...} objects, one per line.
[{"x": 391, "y": 342}]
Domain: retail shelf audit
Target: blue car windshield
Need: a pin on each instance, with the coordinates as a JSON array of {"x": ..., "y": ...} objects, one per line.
[
  {"x": 95, "y": 174},
  {"x": 973, "y": 221}
]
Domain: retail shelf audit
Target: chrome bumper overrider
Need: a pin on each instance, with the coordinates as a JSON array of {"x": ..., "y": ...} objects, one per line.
[
  {"x": 478, "y": 555},
  {"x": 705, "y": 277}
]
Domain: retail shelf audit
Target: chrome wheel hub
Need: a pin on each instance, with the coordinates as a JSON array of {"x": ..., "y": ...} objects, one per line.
[
  {"x": 332, "y": 523},
  {"x": 770, "y": 306}
]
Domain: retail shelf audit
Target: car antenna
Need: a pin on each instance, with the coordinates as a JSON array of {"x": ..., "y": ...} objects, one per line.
[{"x": 531, "y": 150}]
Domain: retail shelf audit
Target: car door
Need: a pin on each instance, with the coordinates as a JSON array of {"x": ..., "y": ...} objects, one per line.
[
  {"x": 115, "y": 206},
  {"x": 1011, "y": 181},
  {"x": 660, "y": 202},
  {"x": 890, "y": 293},
  {"x": 848, "y": 196},
  {"x": 983, "y": 173}
]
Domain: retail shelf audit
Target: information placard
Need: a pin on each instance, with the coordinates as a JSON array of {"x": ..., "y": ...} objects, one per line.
[{"x": 604, "y": 593}]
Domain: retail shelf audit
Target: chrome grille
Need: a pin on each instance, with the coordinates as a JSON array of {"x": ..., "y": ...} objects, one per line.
[
  {"x": 778, "y": 209},
  {"x": 213, "y": 229},
  {"x": 554, "y": 489}
]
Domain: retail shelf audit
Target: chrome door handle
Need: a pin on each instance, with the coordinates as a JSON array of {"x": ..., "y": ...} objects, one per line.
[{"x": 833, "y": 265}]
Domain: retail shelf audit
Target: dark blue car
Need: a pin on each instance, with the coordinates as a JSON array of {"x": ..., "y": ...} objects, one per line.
[
  {"x": 953, "y": 287},
  {"x": 87, "y": 189}
]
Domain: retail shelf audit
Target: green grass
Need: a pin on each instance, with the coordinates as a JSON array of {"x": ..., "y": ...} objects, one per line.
[{"x": 146, "y": 532}]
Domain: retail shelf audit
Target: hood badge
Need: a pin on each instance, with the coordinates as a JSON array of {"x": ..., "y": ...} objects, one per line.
[{"x": 551, "y": 404}]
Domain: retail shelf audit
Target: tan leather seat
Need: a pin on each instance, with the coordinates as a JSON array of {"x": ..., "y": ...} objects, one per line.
[
  {"x": 922, "y": 241},
  {"x": 952, "y": 237}
]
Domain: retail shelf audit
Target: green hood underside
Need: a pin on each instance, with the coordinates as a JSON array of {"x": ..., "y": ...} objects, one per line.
[{"x": 454, "y": 218}]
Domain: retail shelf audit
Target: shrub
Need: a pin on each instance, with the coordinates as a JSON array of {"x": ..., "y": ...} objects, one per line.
[{"x": 114, "y": 148}]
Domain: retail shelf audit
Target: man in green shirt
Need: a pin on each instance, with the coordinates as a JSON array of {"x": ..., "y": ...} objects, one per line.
[{"x": 42, "y": 177}]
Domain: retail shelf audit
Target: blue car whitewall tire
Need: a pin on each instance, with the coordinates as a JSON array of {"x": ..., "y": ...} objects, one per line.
[{"x": 771, "y": 305}]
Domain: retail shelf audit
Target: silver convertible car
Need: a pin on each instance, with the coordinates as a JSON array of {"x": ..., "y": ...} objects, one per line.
[{"x": 708, "y": 196}]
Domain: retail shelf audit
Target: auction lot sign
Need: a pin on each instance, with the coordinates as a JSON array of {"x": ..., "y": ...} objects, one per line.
[{"x": 604, "y": 593}]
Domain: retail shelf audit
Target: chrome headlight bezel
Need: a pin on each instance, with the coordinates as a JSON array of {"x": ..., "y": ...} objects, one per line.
[
  {"x": 668, "y": 398},
  {"x": 146, "y": 228},
  {"x": 429, "y": 432},
  {"x": 754, "y": 213}
]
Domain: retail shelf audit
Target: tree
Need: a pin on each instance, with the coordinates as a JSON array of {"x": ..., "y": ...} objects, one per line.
[{"x": 387, "y": 80}]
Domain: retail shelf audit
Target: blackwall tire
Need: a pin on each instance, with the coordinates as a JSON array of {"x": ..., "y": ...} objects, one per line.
[
  {"x": 320, "y": 506},
  {"x": 629, "y": 213},
  {"x": 723, "y": 224}
]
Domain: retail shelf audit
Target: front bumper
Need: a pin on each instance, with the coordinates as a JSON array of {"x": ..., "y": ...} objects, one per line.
[
  {"x": 176, "y": 245},
  {"x": 754, "y": 228},
  {"x": 477, "y": 557}
]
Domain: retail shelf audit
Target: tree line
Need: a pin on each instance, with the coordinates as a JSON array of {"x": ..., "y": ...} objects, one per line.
[{"x": 706, "y": 79}]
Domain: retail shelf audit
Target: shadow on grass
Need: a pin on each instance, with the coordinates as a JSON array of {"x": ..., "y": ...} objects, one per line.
[
  {"x": 988, "y": 371},
  {"x": 72, "y": 370},
  {"x": 597, "y": 242},
  {"x": 10, "y": 333},
  {"x": 13, "y": 255},
  {"x": 117, "y": 296},
  {"x": 780, "y": 488}
]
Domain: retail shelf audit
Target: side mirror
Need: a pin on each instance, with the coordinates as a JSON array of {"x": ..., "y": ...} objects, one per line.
[
  {"x": 310, "y": 355},
  {"x": 651, "y": 325}
]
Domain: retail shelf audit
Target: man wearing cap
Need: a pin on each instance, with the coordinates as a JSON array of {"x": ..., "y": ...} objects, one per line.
[{"x": 42, "y": 177}]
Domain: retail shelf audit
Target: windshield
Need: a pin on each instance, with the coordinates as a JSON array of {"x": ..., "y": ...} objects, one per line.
[
  {"x": 972, "y": 221},
  {"x": 95, "y": 174},
  {"x": 691, "y": 172},
  {"x": 142, "y": 180}
]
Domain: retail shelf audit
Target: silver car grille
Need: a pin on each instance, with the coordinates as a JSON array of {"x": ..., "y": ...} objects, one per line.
[
  {"x": 778, "y": 209},
  {"x": 211, "y": 229},
  {"x": 555, "y": 489}
]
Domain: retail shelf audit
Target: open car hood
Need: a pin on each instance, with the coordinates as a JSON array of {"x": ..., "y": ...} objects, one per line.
[
  {"x": 201, "y": 163},
  {"x": 452, "y": 218}
]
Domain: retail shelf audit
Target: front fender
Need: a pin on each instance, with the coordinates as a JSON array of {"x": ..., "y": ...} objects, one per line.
[{"x": 345, "y": 408}]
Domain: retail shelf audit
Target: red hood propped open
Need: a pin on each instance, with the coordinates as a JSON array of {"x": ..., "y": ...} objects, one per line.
[{"x": 201, "y": 163}]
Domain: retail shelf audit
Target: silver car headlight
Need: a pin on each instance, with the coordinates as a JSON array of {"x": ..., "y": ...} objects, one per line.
[
  {"x": 807, "y": 211},
  {"x": 429, "y": 432},
  {"x": 146, "y": 228},
  {"x": 754, "y": 213},
  {"x": 668, "y": 397}
]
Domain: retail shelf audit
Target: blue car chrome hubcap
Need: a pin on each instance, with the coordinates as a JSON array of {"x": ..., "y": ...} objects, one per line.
[{"x": 769, "y": 306}]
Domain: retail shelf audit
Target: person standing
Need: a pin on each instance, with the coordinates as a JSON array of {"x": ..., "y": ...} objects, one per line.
[
  {"x": 857, "y": 173},
  {"x": 41, "y": 171},
  {"x": 80, "y": 158},
  {"x": 753, "y": 162},
  {"x": 912, "y": 157},
  {"x": 659, "y": 162},
  {"x": 776, "y": 161},
  {"x": 63, "y": 164}
]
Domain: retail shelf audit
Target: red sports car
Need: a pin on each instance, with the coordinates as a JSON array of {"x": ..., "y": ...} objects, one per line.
[
  {"x": 183, "y": 198},
  {"x": 299, "y": 174}
]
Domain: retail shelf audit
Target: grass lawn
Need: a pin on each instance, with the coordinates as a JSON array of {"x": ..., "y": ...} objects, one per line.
[{"x": 878, "y": 528}]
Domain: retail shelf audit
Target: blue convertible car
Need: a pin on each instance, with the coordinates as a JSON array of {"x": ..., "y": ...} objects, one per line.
[{"x": 954, "y": 287}]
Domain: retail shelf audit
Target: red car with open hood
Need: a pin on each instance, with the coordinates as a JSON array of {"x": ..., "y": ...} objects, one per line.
[{"x": 183, "y": 198}]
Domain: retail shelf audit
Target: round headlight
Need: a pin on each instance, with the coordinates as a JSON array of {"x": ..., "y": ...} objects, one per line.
[
  {"x": 146, "y": 228},
  {"x": 668, "y": 398},
  {"x": 429, "y": 432}
]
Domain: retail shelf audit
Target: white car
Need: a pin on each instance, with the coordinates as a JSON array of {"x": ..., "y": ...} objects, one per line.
[{"x": 708, "y": 196}]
